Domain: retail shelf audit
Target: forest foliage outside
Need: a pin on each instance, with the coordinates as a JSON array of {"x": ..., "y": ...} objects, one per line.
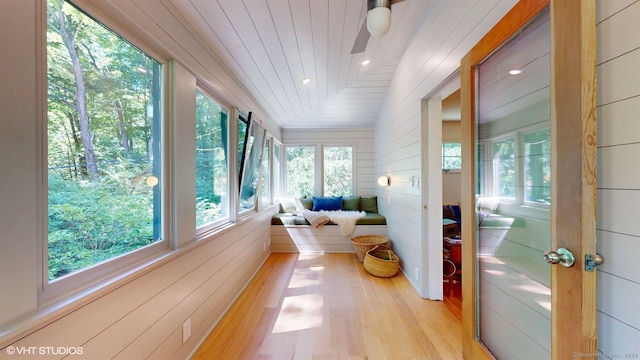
[
  {"x": 104, "y": 130},
  {"x": 103, "y": 135},
  {"x": 211, "y": 160},
  {"x": 337, "y": 170}
]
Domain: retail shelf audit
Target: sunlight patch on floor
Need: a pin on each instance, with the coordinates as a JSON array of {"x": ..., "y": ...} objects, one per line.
[
  {"x": 309, "y": 276},
  {"x": 310, "y": 256},
  {"x": 299, "y": 312}
]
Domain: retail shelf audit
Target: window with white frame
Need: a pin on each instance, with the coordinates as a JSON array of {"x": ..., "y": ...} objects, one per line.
[
  {"x": 251, "y": 165},
  {"x": 277, "y": 161},
  {"x": 265, "y": 184},
  {"x": 337, "y": 170},
  {"x": 331, "y": 174},
  {"x": 504, "y": 168},
  {"x": 300, "y": 170},
  {"x": 451, "y": 156},
  {"x": 519, "y": 169},
  {"x": 104, "y": 166},
  {"x": 242, "y": 129},
  {"x": 104, "y": 130},
  {"x": 212, "y": 171},
  {"x": 537, "y": 166}
]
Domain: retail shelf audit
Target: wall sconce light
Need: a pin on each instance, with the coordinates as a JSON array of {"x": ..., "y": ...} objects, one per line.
[
  {"x": 152, "y": 181},
  {"x": 384, "y": 181}
]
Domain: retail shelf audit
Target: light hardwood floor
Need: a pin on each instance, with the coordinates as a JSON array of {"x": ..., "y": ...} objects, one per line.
[{"x": 326, "y": 306}]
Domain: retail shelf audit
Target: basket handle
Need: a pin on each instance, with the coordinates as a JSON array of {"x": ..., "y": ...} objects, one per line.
[
  {"x": 383, "y": 248},
  {"x": 380, "y": 247}
]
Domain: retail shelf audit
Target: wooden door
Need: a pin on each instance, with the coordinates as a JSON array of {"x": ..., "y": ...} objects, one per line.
[{"x": 572, "y": 208}]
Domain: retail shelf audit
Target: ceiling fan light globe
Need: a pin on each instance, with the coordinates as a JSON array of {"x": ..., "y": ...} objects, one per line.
[{"x": 379, "y": 21}]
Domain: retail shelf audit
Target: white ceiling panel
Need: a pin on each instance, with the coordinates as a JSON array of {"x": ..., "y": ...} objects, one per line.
[
  {"x": 272, "y": 45},
  {"x": 267, "y": 47}
]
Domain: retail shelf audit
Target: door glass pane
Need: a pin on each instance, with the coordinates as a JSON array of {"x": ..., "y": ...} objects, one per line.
[{"x": 513, "y": 181}]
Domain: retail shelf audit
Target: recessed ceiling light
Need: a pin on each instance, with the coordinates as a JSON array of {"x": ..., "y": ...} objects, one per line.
[
  {"x": 366, "y": 62},
  {"x": 515, "y": 72},
  {"x": 306, "y": 80}
]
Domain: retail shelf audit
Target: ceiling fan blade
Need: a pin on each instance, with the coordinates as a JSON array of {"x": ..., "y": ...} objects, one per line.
[
  {"x": 396, "y": 1},
  {"x": 361, "y": 41}
]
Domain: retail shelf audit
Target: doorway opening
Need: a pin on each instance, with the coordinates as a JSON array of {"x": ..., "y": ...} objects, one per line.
[
  {"x": 441, "y": 154},
  {"x": 451, "y": 198}
]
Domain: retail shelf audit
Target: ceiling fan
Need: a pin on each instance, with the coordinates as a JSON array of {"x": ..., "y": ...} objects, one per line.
[{"x": 378, "y": 22}]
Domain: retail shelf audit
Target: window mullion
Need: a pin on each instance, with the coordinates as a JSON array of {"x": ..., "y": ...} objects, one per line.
[
  {"x": 319, "y": 169},
  {"x": 520, "y": 178},
  {"x": 232, "y": 181}
]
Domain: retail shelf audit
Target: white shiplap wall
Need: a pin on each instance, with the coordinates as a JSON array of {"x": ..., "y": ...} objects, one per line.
[
  {"x": 432, "y": 56},
  {"x": 144, "y": 317},
  {"x": 618, "y": 228}
]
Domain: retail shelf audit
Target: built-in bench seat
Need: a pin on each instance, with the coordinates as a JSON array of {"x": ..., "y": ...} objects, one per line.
[
  {"x": 291, "y": 232},
  {"x": 291, "y": 219}
]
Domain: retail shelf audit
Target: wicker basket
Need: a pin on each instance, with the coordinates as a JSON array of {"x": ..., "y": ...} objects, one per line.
[
  {"x": 364, "y": 243},
  {"x": 381, "y": 262}
]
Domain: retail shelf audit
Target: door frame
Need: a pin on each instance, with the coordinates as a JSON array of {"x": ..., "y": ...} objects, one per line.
[{"x": 573, "y": 185}]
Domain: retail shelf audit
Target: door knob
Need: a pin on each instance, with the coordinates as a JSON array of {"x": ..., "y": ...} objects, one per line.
[{"x": 561, "y": 256}]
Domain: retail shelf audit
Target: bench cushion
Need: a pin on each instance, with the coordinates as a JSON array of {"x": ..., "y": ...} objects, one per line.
[{"x": 290, "y": 219}]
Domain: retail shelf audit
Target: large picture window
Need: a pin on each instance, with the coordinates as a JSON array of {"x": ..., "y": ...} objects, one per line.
[
  {"x": 103, "y": 133},
  {"x": 212, "y": 185},
  {"x": 320, "y": 170}
]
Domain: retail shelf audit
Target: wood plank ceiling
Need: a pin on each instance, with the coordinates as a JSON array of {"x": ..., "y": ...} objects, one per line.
[{"x": 272, "y": 45}]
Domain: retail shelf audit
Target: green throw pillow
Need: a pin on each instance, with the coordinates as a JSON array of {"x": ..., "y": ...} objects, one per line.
[
  {"x": 307, "y": 202},
  {"x": 369, "y": 204},
  {"x": 351, "y": 203},
  {"x": 287, "y": 205}
]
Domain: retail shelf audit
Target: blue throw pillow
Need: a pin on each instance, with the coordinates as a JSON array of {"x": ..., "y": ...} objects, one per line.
[{"x": 327, "y": 203}]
